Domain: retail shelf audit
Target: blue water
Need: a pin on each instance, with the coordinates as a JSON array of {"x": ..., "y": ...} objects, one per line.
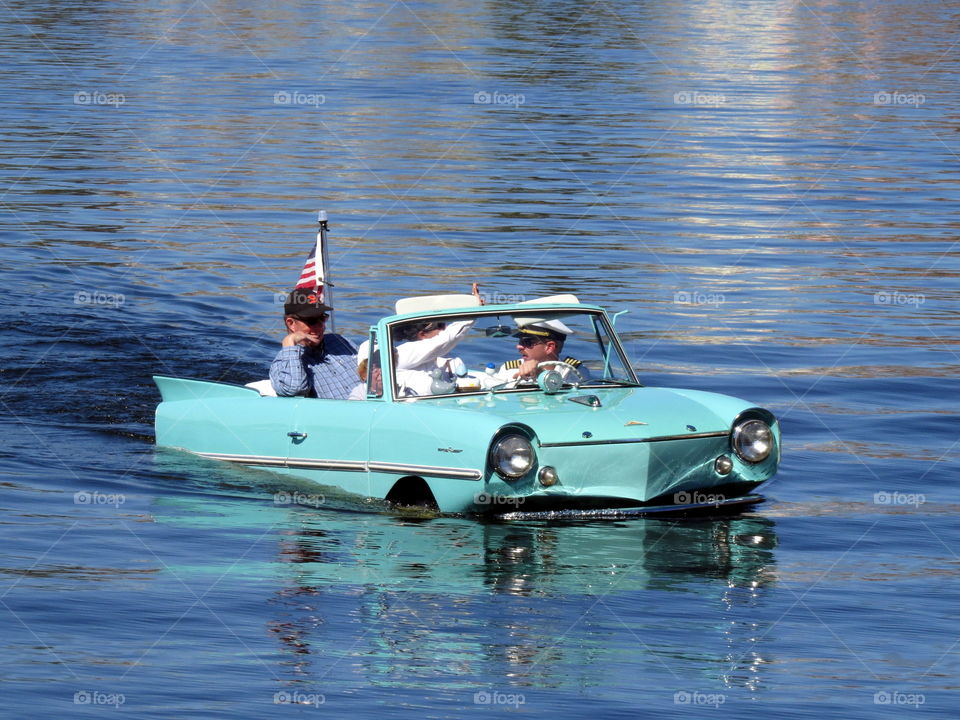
[{"x": 769, "y": 188}]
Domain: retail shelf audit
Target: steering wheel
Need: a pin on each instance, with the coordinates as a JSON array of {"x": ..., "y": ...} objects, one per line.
[
  {"x": 514, "y": 382},
  {"x": 579, "y": 375}
]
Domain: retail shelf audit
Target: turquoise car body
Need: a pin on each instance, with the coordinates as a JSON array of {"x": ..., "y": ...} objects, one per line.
[{"x": 610, "y": 446}]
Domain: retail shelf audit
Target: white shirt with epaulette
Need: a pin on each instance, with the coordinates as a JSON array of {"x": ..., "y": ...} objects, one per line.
[{"x": 507, "y": 370}]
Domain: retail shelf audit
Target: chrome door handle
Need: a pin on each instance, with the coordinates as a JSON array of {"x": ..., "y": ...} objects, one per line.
[{"x": 296, "y": 435}]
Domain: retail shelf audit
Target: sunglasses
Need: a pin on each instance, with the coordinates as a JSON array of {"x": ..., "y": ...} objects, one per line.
[
  {"x": 528, "y": 341},
  {"x": 314, "y": 320}
]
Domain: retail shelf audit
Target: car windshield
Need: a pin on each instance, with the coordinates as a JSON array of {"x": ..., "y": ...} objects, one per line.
[{"x": 506, "y": 352}]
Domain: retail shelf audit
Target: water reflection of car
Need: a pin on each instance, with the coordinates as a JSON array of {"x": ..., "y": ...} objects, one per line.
[
  {"x": 482, "y": 598},
  {"x": 581, "y": 433}
]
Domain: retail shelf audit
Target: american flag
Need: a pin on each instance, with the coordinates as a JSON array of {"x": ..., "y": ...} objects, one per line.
[{"x": 311, "y": 278}]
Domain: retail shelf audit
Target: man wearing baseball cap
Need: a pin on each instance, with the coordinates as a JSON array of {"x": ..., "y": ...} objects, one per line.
[{"x": 310, "y": 362}]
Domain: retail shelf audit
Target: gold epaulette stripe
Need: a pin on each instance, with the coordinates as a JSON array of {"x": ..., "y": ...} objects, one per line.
[
  {"x": 512, "y": 364},
  {"x": 573, "y": 361}
]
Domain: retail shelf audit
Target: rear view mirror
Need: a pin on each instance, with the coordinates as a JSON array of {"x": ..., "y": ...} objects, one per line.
[{"x": 499, "y": 331}]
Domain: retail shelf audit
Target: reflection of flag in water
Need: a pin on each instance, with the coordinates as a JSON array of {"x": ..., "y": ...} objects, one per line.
[{"x": 312, "y": 276}]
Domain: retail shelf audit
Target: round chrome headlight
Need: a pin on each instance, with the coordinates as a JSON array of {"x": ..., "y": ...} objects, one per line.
[
  {"x": 512, "y": 456},
  {"x": 752, "y": 440}
]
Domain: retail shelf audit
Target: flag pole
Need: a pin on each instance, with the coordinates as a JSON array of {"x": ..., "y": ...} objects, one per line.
[{"x": 325, "y": 264}]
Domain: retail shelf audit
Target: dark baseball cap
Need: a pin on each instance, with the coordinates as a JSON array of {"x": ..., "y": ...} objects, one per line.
[{"x": 305, "y": 303}]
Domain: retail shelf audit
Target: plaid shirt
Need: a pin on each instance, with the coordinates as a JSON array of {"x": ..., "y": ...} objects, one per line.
[{"x": 326, "y": 371}]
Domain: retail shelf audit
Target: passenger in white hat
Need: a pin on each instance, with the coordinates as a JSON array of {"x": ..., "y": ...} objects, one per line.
[
  {"x": 409, "y": 382},
  {"x": 359, "y": 392}
]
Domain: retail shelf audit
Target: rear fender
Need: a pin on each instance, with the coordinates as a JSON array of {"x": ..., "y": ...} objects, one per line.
[{"x": 173, "y": 389}]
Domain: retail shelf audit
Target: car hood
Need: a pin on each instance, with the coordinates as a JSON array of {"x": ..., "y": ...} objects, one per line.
[{"x": 627, "y": 414}]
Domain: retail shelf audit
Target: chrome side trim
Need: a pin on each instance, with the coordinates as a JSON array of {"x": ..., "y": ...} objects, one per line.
[
  {"x": 344, "y": 465},
  {"x": 432, "y": 470},
  {"x": 268, "y": 460},
  {"x": 347, "y": 465},
  {"x": 625, "y": 441},
  {"x": 274, "y": 461}
]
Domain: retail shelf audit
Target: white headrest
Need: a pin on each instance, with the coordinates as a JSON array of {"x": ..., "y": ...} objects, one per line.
[
  {"x": 435, "y": 302},
  {"x": 552, "y": 299}
]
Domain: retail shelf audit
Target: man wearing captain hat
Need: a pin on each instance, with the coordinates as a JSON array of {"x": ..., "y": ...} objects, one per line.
[{"x": 538, "y": 341}]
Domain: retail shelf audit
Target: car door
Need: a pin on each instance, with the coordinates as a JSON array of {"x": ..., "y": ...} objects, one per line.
[{"x": 329, "y": 442}]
